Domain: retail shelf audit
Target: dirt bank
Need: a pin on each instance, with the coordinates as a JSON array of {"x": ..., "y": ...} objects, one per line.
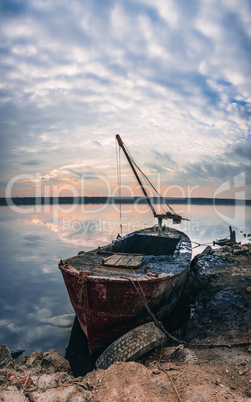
[{"x": 213, "y": 365}]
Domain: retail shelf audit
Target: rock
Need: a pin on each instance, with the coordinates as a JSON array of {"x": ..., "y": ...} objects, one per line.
[
  {"x": 218, "y": 253},
  {"x": 88, "y": 385},
  {"x": 188, "y": 356},
  {"x": 13, "y": 394},
  {"x": 170, "y": 352},
  {"x": 32, "y": 359},
  {"x": 47, "y": 381},
  {"x": 5, "y": 353},
  {"x": 72, "y": 393},
  {"x": 248, "y": 392},
  {"x": 207, "y": 250},
  {"x": 237, "y": 246},
  {"x": 49, "y": 362},
  {"x": 56, "y": 361},
  {"x": 238, "y": 251},
  {"x": 42, "y": 377},
  {"x": 226, "y": 249},
  {"x": 156, "y": 372}
]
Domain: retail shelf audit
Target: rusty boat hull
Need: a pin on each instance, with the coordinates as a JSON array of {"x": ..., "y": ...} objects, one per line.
[{"x": 113, "y": 288}]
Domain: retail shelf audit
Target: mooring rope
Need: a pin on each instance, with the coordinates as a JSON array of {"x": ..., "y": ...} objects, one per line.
[
  {"x": 144, "y": 301},
  {"x": 170, "y": 378},
  {"x": 118, "y": 160},
  {"x": 201, "y": 244}
]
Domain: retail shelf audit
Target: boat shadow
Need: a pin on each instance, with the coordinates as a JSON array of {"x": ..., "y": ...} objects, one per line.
[
  {"x": 181, "y": 313},
  {"x": 77, "y": 352}
]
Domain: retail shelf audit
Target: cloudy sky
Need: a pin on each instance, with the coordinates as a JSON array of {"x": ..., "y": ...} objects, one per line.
[{"x": 171, "y": 76}]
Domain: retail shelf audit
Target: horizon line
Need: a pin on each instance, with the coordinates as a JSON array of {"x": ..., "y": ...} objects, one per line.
[{"x": 30, "y": 200}]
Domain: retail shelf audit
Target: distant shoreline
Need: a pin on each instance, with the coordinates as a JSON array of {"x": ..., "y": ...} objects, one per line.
[{"x": 115, "y": 200}]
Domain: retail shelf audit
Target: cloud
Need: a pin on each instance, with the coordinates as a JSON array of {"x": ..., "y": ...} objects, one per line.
[
  {"x": 171, "y": 78},
  {"x": 240, "y": 150},
  {"x": 214, "y": 171},
  {"x": 162, "y": 163},
  {"x": 32, "y": 162}
]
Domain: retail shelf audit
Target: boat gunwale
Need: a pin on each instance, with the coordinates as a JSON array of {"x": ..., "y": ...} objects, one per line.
[
  {"x": 119, "y": 279},
  {"x": 183, "y": 238}
]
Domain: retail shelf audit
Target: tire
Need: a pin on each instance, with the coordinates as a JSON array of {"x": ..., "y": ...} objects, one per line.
[{"x": 132, "y": 345}]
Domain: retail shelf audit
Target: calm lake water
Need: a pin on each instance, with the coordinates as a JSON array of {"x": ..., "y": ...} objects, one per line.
[{"x": 35, "y": 312}]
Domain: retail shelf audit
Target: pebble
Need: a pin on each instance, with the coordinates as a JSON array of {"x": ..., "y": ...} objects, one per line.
[
  {"x": 237, "y": 251},
  {"x": 156, "y": 371},
  {"x": 89, "y": 385}
]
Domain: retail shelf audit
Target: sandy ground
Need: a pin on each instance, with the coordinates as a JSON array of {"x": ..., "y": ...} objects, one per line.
[{"x": 214, "y": 364}]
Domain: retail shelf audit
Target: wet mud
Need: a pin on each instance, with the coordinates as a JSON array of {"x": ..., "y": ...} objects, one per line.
[{"x": 220, "y": 296}]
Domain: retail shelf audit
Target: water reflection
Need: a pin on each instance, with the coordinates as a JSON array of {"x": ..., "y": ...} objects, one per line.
[{"x": 35, "y": 310}]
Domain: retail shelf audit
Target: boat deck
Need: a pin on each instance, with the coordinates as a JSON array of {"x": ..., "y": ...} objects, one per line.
[
  {"x": 139, "y": 254},
  {"x": 140, "y": 266},
  {"x": 95, "y": 262},
  {"x": 113, "y": 261}
]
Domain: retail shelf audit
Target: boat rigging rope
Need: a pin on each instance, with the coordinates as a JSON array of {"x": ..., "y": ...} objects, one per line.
[
  {"x": 166, "y": 207},
  {"x": 201, "y": 244},
  {"x": 118, "y": 160}
]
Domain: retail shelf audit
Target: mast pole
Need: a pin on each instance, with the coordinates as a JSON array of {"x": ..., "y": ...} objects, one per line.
[{"x": 120, "y": 142}]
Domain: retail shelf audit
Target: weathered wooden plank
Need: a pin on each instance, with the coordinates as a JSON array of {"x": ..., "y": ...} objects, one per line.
[
  {"x": 121, "y": 260},
  {"x": 136, "y": 261},
  {"x": 124, "y": 261},
  {"x": 113, "y": 259}
]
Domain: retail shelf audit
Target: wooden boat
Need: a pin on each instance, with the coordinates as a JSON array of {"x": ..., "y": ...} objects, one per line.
[
  {"x": 117, "y": 287},
  {"x": 221, "y": 242}
]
